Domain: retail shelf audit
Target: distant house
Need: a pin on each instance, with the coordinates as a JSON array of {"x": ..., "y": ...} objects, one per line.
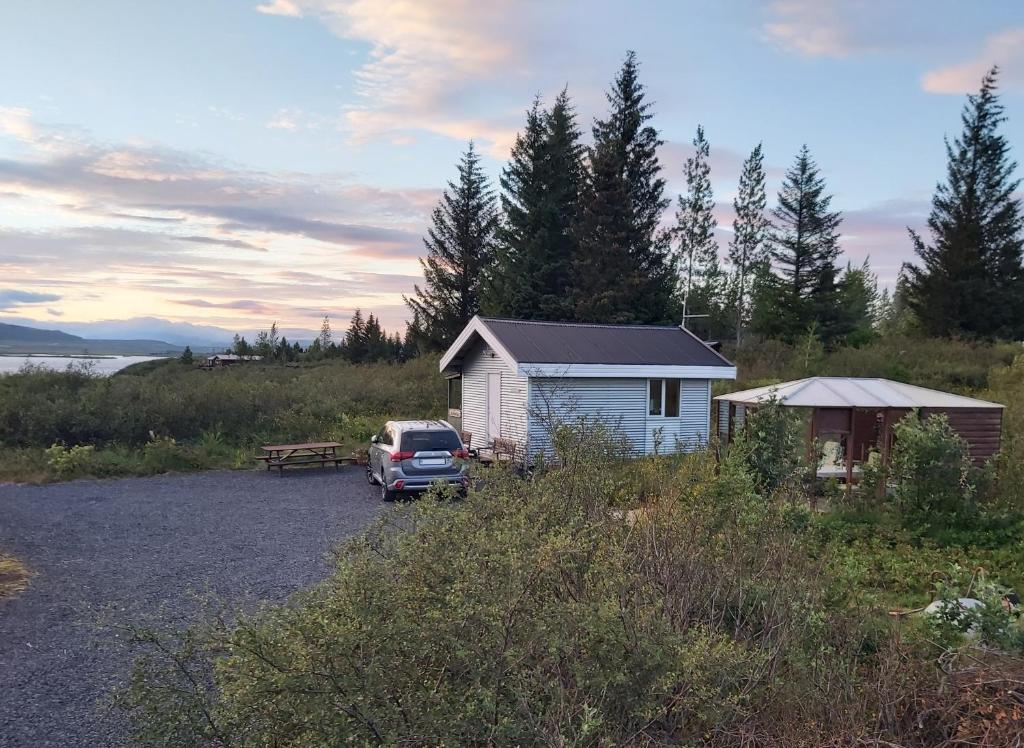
[
  {"x": 513, "y": 379},
  {"x": 227, "y": 359}
]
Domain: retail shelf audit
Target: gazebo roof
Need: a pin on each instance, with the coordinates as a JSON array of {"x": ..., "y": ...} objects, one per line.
[{"x": 854, "y": 392}]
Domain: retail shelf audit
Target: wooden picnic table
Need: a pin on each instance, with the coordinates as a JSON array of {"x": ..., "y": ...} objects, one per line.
[{"x": 281, "y": 456}]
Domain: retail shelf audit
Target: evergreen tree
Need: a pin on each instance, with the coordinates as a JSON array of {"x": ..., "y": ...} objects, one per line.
[
  {"x": 375, "y": 340},
  {"x": 460, "y": 248},
  {"x": 970, "y": 280},
  {"x": 748, "y": 250},
  {"x": 858, "y": 301},
  {"x": 804, "y": 246},
  {"x": 624, "y": 270},
  {"x": 325, "y": 338},
  {"x": 356, "y": 343},
  {"x": 702, "y": 284},
  {"x": 240, "y": 346},
  {"x": 536, "y": 243},
  {"x": 186, "y": 356}
]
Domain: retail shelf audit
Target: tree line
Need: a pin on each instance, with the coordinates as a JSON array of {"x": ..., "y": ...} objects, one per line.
[
  {"x": 365, "y": 341},
  {"x": 577, "y": 233}
]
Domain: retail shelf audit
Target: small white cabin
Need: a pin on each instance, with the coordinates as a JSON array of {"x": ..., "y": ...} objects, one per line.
[{"x": 512, "y": 379}]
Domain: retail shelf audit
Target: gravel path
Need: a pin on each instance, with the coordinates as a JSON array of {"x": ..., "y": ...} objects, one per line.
[{"x": 139, "y": 544}]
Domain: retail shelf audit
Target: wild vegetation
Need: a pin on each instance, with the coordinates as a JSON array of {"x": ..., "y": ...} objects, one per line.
[
  {"x": 539, "y": 612},
  {"x": 171, "y": 416}
]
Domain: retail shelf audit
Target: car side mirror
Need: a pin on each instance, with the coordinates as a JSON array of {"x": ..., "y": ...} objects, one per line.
[{"x": 374, "y": 439}]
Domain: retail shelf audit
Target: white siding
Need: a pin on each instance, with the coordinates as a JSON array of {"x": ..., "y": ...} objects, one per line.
[
  {"x": 478, "y": 363},
  {"x": 723, "y": 421},
  {"x": 620, "y": 403}
]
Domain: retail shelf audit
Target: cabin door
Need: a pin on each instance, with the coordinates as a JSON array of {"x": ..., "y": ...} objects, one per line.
[{"x": 493, "y": 407}]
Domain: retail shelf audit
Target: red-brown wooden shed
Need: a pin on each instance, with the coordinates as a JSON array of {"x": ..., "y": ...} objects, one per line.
[{"x": 859, "y": 413}]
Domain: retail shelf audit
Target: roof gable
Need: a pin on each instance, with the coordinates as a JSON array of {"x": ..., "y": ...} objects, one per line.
[
  {"x": 591, "y": 350},
  {"x": 855, "y": 392}
]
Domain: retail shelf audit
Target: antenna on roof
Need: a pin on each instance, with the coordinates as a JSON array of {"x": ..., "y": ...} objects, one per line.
[{"x": 682, "y": 325}]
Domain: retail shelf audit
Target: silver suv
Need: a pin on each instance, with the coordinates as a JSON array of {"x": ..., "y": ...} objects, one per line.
[{"x": 408, "y": 456}]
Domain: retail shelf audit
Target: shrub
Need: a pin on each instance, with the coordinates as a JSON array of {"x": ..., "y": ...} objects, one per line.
[
  {"x": 68, "y": 462},
  {"x": 931, "y": 472},
  {"x": 772, "y": 446},
  {"x": 530, "y": 614}
]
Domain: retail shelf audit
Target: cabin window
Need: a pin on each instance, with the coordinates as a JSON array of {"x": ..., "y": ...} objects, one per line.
[
  {"x": 663, "y": 397},
  {"x": 654, "y": 389},
  {"x": 672, "y": 398},
  {"x": 455, "y": 393}
]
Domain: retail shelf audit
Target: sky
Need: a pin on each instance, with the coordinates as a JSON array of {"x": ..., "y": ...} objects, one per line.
[{"x": 234, "y": 163}]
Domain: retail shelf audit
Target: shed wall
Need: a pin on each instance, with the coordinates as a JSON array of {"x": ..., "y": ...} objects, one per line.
[
  {"x": 622, "y": 404},
  {"x": 478, "y": 363},
  {"x": 981, "y": 428}
]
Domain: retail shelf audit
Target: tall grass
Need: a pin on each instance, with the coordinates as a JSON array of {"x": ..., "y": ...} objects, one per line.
[{"x": 213, "y": 415}]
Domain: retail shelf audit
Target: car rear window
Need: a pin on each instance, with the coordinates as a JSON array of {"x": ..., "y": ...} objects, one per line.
[{"x": 428, "y": 441}]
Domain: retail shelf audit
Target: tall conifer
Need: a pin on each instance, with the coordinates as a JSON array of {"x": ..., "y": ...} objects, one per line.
[
  {"x": 460, "y": 246},
  {"x": 804, "y": 246},
  {"x": 540, "y": 198},
  {"x": 624, "y": 269},
  {"x": 748, "y": 250},
  {"x": 970, "y": 280},
  {"x": 702, "y": 280}
]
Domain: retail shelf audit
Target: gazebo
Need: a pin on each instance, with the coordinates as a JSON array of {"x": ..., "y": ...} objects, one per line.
[{"x": 858, "y": 415}]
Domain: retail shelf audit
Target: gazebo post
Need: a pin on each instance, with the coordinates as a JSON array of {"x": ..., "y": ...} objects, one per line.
[
  {"x": 849, "y": 451},
  {"x": 812, "y": 438},
  {"x": 884, "y": 449}
]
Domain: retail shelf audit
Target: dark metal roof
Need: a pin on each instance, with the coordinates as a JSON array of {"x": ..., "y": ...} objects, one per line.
[{"x": 572, "y": 343}]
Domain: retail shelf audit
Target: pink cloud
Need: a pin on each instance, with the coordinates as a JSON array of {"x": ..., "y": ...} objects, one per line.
[{"x": 1005, "y": 49}]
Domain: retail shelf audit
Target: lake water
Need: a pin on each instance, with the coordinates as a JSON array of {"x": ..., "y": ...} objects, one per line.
[{"x": 101, "y": 365}]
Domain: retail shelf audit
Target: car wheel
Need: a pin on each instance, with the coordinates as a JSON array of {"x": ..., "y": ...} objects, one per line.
[
  {"x": 385, "y": 493},
  {"x": 370, "y": 477}
]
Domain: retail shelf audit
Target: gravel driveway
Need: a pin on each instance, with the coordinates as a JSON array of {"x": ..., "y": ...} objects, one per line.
[{"x": 140, "y": 543}]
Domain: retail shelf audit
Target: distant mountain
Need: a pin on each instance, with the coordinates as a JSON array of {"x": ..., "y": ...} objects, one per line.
[
  {"x": 153, "y": 328},
  {"x": 22, "y": 339},
  {"x": 201, "y": 338},
  {"x": 18, "y": 333}
]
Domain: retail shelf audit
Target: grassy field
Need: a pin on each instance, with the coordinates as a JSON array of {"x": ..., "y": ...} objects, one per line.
[{"x": 162, "y": 416}]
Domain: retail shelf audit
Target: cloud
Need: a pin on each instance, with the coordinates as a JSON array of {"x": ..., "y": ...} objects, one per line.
[
  {"x": 280, "y": 8},
  {"x": 158, "y": 185},
  {"x": 11, "y": 298},
  {"x": 840, "y": 29},
  {"x": 428, "y": 63},
  {"x": 247, "y": 305},
  {"x": 1005, "y": 49},
  {"x": 285, "y": 119},
  {"x": 233, "y": 243}
]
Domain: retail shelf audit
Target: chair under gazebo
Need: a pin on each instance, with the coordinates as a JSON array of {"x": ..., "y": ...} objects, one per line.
[{"x": 857, "y": 416}]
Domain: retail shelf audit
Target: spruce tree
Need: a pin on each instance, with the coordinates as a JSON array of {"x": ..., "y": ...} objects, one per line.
[
  {"x": 624, "y": 268},
  {"x": 804, "y": 245},
  {"x": 702, "y": 282},
  {"x": 970, "y": 280},
  {"x": 858, "y": 305},
  {"x": 356, "y": 345},
  {"x": 460, "y": 248},
  {"x": 540, "y": 200},
  {"x": 748, "y": 249}
]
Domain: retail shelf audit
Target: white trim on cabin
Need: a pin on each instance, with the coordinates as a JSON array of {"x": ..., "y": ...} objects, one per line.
[
  {"x": 476, "y": 325},
  {"x": 628, "y": 371}
]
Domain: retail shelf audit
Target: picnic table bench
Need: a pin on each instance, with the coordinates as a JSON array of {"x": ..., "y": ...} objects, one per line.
[{"x": 281, "y": 456}]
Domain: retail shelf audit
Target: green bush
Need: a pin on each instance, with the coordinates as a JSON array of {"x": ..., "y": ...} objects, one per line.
[
  {"x": 930, "y": 469},
  {"x": 773, "y": 447},
  {"x": 531, "y": 614}
]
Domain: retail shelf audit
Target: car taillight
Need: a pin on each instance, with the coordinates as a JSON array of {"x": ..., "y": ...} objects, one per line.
[
  {"x": 462, "y": 454},
  {"x": 399, "y": 456}
]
